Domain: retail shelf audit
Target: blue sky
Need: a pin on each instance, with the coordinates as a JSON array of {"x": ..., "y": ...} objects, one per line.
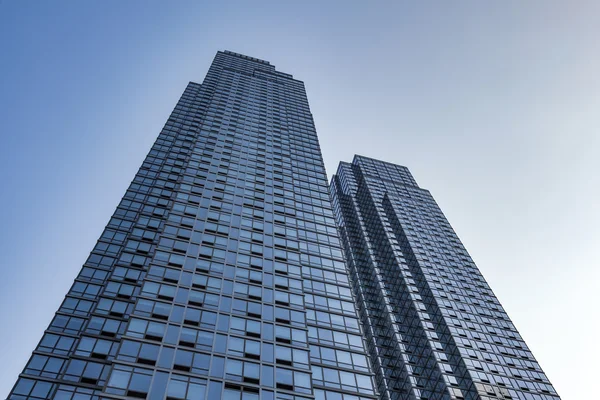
[{"x": 492, "y": 105}]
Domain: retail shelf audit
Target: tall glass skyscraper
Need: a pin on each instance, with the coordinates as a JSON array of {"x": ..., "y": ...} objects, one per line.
[
  {"x": 433, "y": 326},
  {"x": 220, "y": 274}
]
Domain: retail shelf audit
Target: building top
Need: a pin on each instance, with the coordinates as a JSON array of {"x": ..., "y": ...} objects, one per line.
[
  {"x": 246, "y": 57},
  {"x": 381, "y": 170},
  {"x": 261, "y": 65}
]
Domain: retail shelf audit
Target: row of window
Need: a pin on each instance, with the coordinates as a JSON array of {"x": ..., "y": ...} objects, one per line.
[{"x": 135, "y": 382}]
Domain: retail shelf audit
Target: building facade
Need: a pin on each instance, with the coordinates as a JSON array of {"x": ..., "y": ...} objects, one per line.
[
  {"x": 220, "y": 274},
  {"x": 434, "y": 328}
]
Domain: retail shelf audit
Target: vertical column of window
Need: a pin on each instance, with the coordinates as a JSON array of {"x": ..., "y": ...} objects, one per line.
[
  {"x": 405, "y": 299},
  {"x": 148, "y": 199},
  {"x": 378, "y": 289},
  {"x": 181, "y": 338},
  {"x": 287, "y": 206},
  {"x": 380, "y": 295},
  {"x": 365, "y": 288},
  {"x": 402, "y": 300},
  {"x": 147, "y": 239},
  {"x": 287, "y": 357},
  {"x": 252, "y": 314},
  {"x": 455, "y": 375}
]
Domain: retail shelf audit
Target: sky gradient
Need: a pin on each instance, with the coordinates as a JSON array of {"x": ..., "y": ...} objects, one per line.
[{"x": 492, "y": 105}]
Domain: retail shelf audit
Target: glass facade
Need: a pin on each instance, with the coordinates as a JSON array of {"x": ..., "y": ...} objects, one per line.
[
  {"x": 220, "y": 274},
  {"x": 434, "y": 328}
]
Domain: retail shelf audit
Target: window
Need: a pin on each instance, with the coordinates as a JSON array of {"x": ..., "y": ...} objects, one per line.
[
  {"x": 333, "y": 320},
  {"x": 198, "y": 339},
  {"x": 62, "y": 323},
  {"x": 292, "y": 380},
  {"x": 342, "y": 380},
  {"x": 290, "y": 317},
  {"x": 344, "y": 307},
  {"x": 176, "y": 260},
  {"x": 341, "y": 358},
  {"x": 93, "y": 274},
  {"x": 126, "y": 274},
  {"x": 129, "y": 381},
  {"x": 205, "y": 282},
  {"x": 186, "y": 388},
  {"x": 238, "y": 392},
  {"x": 68, "y": 392},
  {"x": 242, "y": 371},
  {"x": 56, "y": 344},
  {"x": 104, "y": 326},
  {"x": 201, "y": 299},
  {"x": 188, "y": 361},
  {"x": 113, "y": 307},
  {"x": 290, "y": 335},
  {"x": 245, "y": 327},
  {"x": 249, "y": 291},
  {"x": 146, "y": 329},
  {"x": 165, "y": 274},
  {"x": 288, "y": 299},
  {"x": 335, "y": 338},
  {"x": 95, "y": 348},
  {"x": 250, "y": 309},
  {"x": 204, "y": 319},
  {"x": 290, "y": 356},
  {"x": 87, "y": 290},
  {"x": 330, "y": 395},
  {"x": 117, "y": 289},
  {"x": 244, "y": 348},
  {"x": 143, "y": 353},
  {"x": 86, "y": 372},
  {"x": 31, "y": 389},
  {"x": 45, "y": 366}
]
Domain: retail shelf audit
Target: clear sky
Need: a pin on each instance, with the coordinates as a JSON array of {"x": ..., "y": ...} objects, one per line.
[{"x": 492, "y": 105}]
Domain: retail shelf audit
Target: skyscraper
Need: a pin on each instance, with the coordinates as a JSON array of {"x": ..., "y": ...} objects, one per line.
[
  {"x": 434, "y": 328},
  {"x": 220, "y": 274}
]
